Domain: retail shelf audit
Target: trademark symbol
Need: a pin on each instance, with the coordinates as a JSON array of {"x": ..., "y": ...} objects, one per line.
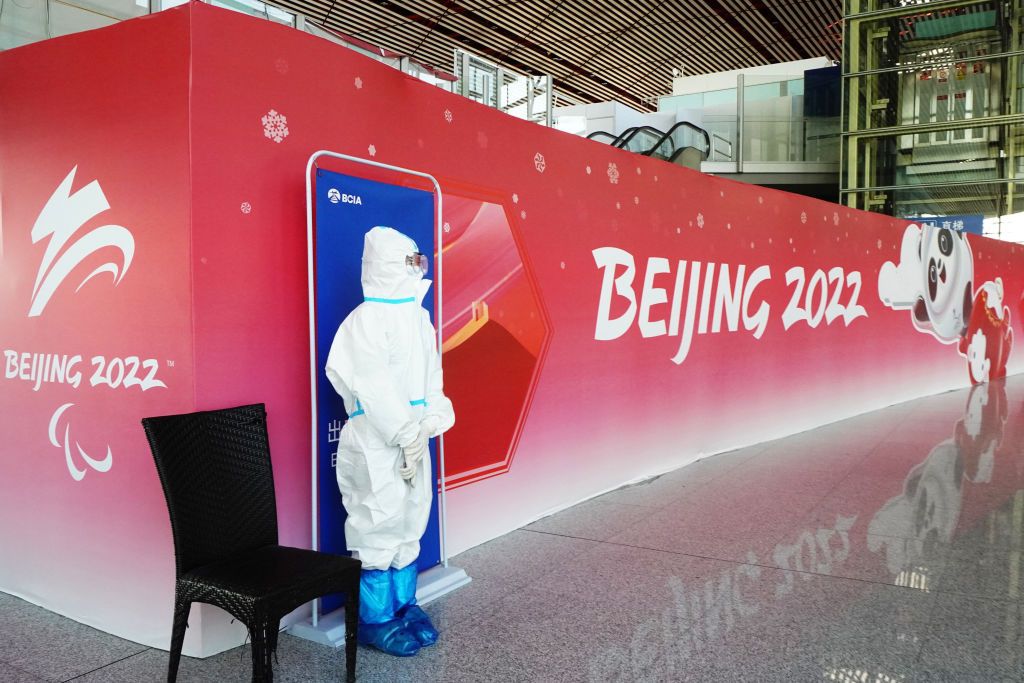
[{"x": 170, "y": 363}]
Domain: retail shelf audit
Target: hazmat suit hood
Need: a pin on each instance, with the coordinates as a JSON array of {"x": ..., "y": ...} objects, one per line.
[{"x": 384, "y": 273}]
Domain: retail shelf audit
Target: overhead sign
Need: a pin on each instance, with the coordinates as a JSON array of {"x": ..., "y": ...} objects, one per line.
[{"x": 972, "y": 223}]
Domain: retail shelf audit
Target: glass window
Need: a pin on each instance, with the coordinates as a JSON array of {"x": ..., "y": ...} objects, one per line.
[
  {"x": 257, "y": 9},
  {"x": 720, "y": 97},
  {"x": 677, "y": 102},
  {"x": 763, "y": 91}
]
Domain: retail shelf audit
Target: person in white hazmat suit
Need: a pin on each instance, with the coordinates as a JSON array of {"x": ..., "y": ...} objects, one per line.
[{"x": 385, "y": 365}]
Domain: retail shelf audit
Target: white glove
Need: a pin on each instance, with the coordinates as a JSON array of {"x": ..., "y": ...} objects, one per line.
[
  {"x": 407, "y": 471},
  {"x": 429, "y": 426},
  {"x": 411, "y": 456}
]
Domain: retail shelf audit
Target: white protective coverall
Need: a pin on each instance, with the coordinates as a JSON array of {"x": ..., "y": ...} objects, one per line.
[{"x": 385, "y": 365}]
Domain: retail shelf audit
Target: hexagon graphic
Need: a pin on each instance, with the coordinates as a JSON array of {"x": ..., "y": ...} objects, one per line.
[{"x": 494, "y": 337}]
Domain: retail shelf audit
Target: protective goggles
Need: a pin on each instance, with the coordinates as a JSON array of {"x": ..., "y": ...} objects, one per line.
[{"x": 417, "y": 263}]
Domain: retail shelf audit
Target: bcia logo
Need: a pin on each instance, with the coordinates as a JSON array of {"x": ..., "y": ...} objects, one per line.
[{"x": 335, "y": 197}]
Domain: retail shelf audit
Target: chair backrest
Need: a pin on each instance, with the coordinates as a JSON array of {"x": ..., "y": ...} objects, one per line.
[{"x": 215, "y": 470}]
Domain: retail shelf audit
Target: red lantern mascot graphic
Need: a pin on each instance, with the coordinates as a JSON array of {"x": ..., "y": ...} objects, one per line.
[{"x": 989, "y": 337}]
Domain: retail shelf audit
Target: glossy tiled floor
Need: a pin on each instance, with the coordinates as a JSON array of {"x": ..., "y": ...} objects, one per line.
[{"x": 880, "y": 549}]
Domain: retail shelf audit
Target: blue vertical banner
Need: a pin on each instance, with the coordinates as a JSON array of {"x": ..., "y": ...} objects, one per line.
[{"x": 346, "y": 208}]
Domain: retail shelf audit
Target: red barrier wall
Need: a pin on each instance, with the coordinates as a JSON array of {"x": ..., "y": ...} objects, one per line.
[
  {"x": 564, "y": 302},
  {"x": 93, "y": 133}
]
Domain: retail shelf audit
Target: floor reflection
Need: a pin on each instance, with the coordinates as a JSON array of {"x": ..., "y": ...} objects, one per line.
[
  {"x": 882, "y": 549},
  {"x": 860, "y": 586},
  {"x": 914, "y": 528}
]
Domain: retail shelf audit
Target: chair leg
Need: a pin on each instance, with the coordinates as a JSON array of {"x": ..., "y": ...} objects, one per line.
[
  {"x": 351, "y": 626},
  {"x": 273, "y": 630},
  {"x": 262, "y": 669},
  {"x": 181, "y": 610}
]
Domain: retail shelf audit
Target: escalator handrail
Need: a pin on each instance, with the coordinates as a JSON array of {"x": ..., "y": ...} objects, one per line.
[
  {"x": 630, "y": 133},
  {"x": 624, "y": 138},
  {"x": 621, "y": 136},
  {"x": 703, "y": 133},
  {"x": 669, "y": 136},
  {"x": 613, "y": 137}
]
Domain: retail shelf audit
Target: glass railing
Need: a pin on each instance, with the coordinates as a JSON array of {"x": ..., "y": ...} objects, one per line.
[
  {"x": 793, "y": 140},
  {"x": 684, "y": 144},
  {"x": 641, "y": 139},
  {"x": 684, "y": 135}
]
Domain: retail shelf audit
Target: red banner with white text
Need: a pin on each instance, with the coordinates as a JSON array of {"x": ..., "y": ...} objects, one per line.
[{"x": 606, "y": 316}]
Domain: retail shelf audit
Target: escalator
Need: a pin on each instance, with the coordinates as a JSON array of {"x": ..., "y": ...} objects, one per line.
[{"x": 684, "y": 144}]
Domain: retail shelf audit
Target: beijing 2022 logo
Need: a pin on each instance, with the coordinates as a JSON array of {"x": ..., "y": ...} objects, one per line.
[{"x": 60, "y": 226}]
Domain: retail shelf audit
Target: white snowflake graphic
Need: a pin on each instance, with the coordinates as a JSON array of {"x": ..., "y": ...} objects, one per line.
[
  {"x": 372, "y": 150},
  {"x": 636, "y": 200},
  {"x": 791, "y": 240},
  {"x": 562, "y": 265},
  {"x": 539, "y": 163},
  {"x": 618, "y": 205},
  {"x": 448, "y": 115},
  {"x": 638, "y": 171},
  {"x": 246, "y": 207},
  {"x": 700, "y": 221},
  {"x": 835, "y": 218},
  {"x": 760, "y": 200},
  {"x": 803, "y": 216},
  {"x": 447, "y": 227},
  {"x": 679, "y": 231},
  {"x": 358, "y": 83},
  {"x": 613, "y": 173},
  {"x": 728, "y": 226},
  {"x": 522, "y": 214},
  {"x": 655, "y": 178},
  {"x": 515, "y": 198},
  {"x": 281, "y": 65},
  {"x": 275, "y": 126},
  {"x": 588, "y": 170}
]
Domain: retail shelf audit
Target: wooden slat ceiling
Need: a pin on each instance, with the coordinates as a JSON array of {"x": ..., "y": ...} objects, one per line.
[{"x": 596, "y": 50}]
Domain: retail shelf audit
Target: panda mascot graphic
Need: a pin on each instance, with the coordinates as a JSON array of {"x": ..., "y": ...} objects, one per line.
[{"x": 934, "y": 280}]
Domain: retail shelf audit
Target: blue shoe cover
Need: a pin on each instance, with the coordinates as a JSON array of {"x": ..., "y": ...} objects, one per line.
[
  {"x": 403, "y": 583},
  {"x": 376, "y": 597},
  {"x": 390, "y": 637},
  {"x": 419, "y": 625}
]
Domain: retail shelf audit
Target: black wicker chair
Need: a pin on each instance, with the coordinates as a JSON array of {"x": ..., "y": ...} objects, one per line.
[{"x": 217, "y": 478}]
